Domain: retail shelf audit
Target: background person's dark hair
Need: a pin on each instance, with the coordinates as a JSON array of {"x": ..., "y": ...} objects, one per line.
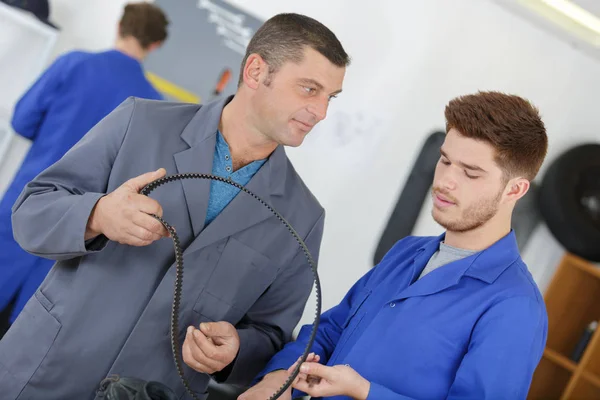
[
  {"x": 145, "y": 22},
  {"x": 511, "y": 124},
  {"x": 283, "y": 38}
]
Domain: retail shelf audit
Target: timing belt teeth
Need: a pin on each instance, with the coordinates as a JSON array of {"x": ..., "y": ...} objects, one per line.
[{"x": 175, "y": 345}]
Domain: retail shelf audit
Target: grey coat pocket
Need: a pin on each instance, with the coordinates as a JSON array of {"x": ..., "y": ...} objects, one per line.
[
  {"x": 24, "y": 346},
  {"x": 241, "y": 275}
]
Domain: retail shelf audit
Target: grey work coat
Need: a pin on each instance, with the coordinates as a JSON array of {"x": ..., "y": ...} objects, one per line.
[{"x": 105, "y": 307}]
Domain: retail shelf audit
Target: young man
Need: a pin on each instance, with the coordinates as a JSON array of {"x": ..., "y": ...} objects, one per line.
[
  {"x": 450, "y": 317},
  {"x": 105, "y": 307},
  {"x": 76, "y": 92}
]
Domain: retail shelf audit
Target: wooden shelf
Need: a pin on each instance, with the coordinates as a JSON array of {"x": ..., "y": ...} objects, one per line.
[
  {"x": 582, "y": 389},
  {"x": 572, "y": 302},
  {"x": 583, "y": 265},
  {"x": 549, "y": 381},
  {"x": 559, "y": 359},
  {"x": 591, "y": 378}
]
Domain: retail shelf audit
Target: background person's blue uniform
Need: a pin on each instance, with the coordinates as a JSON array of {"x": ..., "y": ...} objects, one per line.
[
  {"x": 70, "y": 97},
  {"x": 472, "y": 329}
]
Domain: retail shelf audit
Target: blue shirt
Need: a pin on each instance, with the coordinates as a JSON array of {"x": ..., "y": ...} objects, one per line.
[
  {"x": 475, "y": 328},
  {"x": 221, "y": 193},
  {"x": 73, "y": 94}
]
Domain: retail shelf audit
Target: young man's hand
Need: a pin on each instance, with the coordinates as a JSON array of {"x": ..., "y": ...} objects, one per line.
[
  {"x": 339, "y": 380},
  {"x": 272, "y": 382},
  {"x": 269, "y": 385}
]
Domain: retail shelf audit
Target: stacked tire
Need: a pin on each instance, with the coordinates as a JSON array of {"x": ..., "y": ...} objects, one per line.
[{"x": 569, "y": 200}]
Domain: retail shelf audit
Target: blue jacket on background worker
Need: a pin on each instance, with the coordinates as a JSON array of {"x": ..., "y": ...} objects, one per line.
[{"x": 68, "y": 99}]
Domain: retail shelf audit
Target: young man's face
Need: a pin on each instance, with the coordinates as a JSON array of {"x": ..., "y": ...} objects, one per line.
[
  {"x": 296, "y": 97},
  {"x": 468, "y": 185}
]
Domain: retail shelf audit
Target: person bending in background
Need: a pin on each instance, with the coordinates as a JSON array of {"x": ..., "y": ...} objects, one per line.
[
  {"x": 450, "y": 317},
  {"x": 67, "y": 100}
]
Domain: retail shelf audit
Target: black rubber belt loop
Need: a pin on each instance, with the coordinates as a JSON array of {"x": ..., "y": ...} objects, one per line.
[{"x": 175, "y": 345}]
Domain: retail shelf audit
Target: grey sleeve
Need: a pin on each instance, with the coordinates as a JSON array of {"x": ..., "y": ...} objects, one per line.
[
  {"x": 269, "y": 324},
  {"x": 50, "y": 216}
]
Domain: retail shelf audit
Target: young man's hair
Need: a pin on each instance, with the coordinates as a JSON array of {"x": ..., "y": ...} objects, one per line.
[
  {"x": 282, "y": 38},
  {"x": 145, "y": 22},
  {"x": 511, "y": 124}
]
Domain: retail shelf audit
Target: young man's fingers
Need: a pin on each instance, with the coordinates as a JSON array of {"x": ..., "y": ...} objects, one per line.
[
  {"x": 319, "y": 370},
  {"x": 313, "y": 391}
]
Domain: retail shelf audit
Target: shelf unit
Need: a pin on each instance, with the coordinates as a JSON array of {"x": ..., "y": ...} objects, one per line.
[{"x": 572, "y": 302}]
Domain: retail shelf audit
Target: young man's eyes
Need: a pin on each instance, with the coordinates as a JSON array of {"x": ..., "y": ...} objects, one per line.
[{"x": 446, "y": 162}]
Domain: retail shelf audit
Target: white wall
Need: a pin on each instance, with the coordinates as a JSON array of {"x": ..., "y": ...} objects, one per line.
[
  {"x": 89, "y": 24},
  {"x": 409, "y": 59}
]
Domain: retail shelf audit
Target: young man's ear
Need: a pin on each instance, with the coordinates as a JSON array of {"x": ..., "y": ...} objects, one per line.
[{"x": 517, "y": 188}]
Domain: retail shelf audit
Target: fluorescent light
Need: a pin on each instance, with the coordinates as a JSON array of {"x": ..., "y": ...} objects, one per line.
[{"x": 569, "y": 16}]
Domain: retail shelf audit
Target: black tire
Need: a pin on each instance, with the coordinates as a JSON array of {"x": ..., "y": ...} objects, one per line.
[
  {"x": 416, "y": 189},
  {"x": 570, "y": 200}
]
